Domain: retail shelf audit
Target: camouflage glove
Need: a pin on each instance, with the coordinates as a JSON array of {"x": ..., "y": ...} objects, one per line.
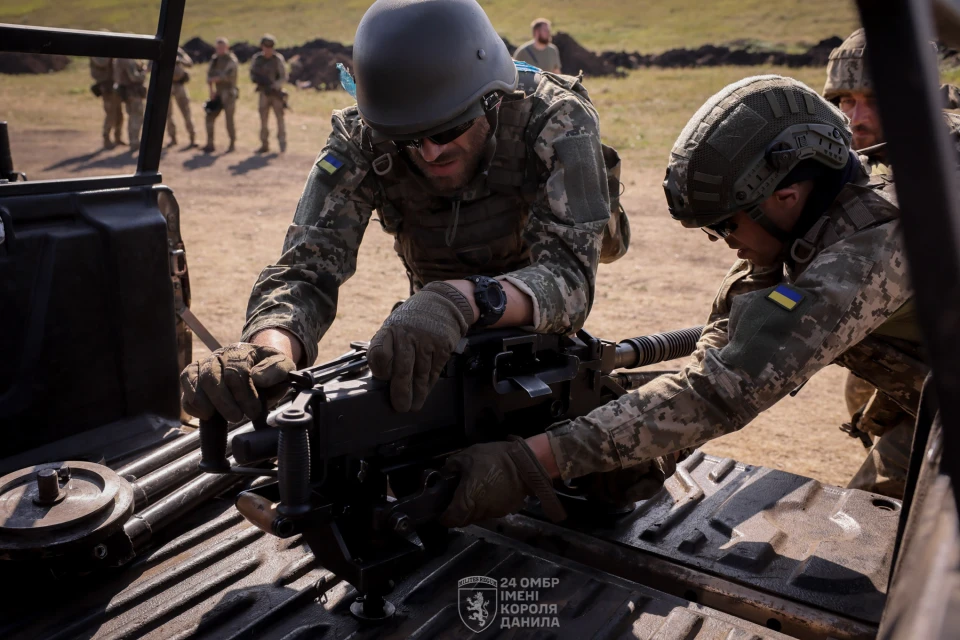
[
  {"x": 494, "y": 480},
  {"x": 624, "y": 487},
  {"x": 234, "y": 381},
  {"x": 415, "y": 342}
]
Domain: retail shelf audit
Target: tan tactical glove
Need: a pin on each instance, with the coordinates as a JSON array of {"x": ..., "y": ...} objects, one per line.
[
  {"x": 415, "y": 342},
  {"x": 234, "y": 381},
  {"x": 494, "y": 480}
]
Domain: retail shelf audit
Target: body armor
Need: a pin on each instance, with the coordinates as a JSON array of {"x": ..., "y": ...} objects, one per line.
[{"x": 442, "y": 238}]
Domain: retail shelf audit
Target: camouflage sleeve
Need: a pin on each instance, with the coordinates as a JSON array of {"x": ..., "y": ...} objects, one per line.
[
  {"x": 844, "y": 294},
  {"x": 299, "y": 293},
  {"x": 281, "y": 71},
  {"x": 565, "y": 226}
]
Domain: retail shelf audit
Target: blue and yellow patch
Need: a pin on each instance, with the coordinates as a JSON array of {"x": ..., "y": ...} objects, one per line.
[
  {"x": 329, "y": 164},
  {"x": 785, "y": 296}
]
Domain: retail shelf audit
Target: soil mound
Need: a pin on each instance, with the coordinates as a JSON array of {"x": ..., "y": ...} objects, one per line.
[
  {"x": 17, "y": 63},
  {"x": 575, "y": 58},
  {"x": 199, "y": 50},
  {"x": 244, "y": 51},
  {"x": 317, "y": 69}
]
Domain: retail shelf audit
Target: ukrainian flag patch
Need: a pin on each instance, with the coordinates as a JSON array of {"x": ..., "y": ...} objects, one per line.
[
  {"x": 329, "y": 164},
  {"x": 785, "y": 296}
]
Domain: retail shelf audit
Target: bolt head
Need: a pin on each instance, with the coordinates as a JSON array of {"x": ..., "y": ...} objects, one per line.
[
  {"x": 741, "y": 195},
  {"x": 481, "y": 54}
]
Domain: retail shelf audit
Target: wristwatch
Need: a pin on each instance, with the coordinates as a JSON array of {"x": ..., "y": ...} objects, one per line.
[{"x": 490, "y": 298}]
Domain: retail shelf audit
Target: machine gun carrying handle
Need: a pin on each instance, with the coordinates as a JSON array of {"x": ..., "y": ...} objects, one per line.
[{"x": 213, "y": 445}]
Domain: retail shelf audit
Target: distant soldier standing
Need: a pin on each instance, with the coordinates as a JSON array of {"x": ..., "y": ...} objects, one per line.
[
  {"x": 178, "y": 94},
  {"x": 222, "y": 78},
  {"x": 101, "y": 69},
  {"x": 268, "y": 70},
  {"x": 130, "y": 77},
  {"x": 540, "y": 52}
]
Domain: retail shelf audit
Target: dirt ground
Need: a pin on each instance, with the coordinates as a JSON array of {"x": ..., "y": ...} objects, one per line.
[{"x": 236, "y": 208}]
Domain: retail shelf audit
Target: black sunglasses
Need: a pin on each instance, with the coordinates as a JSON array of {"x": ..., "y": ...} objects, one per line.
[
  {"x": 720, "y": 230},
  {"x": 490, "y": 102}
]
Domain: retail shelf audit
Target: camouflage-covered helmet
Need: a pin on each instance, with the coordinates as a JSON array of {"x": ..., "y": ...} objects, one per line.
[
  {"x": 743, "y": 142},
  {"x": 422, "y": 66},
  {"x": 268, "y": 40},
  {"x": 847, "y": 68}
]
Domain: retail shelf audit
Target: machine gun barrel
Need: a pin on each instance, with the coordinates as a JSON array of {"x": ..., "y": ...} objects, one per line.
[{"x": 656, "y": 347}]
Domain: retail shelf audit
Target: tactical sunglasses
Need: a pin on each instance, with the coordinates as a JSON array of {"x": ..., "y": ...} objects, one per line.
[
  {"x": 490, "y": 102},
  {"x": 442, "y": 138},
  {"x": 720, "y": 230}
]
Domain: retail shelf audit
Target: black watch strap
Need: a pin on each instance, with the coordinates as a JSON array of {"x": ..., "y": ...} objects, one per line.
[{"x": 490, "y": 298}]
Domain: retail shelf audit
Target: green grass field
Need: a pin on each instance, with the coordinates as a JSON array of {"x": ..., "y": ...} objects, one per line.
[{"x": 650, "y": 26}]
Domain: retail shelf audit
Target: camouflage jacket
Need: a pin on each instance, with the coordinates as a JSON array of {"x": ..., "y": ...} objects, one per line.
[
  {"x": 184, "y": 62},
  {"x": 129, "y": 73},
  {"x": 223, "y": 71},
  {"x": 553, "y": 233},
  {"x": 769, "y": 331},
  {"x": 101, "y": 70},
  {"x": 268, "y": 73}
]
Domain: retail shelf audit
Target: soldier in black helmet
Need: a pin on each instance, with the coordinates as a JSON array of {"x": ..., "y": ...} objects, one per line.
[{"x": 493, "y": 181}]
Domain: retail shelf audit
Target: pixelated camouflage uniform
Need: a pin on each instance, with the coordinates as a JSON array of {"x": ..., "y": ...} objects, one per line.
[
  {"x": 848, "y": 274},
  {"x": 535, "y": 217},
  {"x": 270, "y": 74},
  {"x": 101, "y": 70},
  {"x": 847, "y": 71},
  {"x": 179, "y": 95},
  {"x": 223, "y": 74},
  {"x": 130, "y": 77}
]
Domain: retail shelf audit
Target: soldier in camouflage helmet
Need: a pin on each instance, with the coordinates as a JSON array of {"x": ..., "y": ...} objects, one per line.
[
  {"x": 492, "y": 180},
  {"x": 821, "y": 278},
  {"x": 850, "y": 87},
  {"x": 268, "y": 70}
]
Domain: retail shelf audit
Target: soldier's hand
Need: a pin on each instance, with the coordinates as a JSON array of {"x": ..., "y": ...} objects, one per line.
[
  {"x": 495, "y": 478},
  {"x": 415, "y": 342},
  {"x": 234, "y": 381}
]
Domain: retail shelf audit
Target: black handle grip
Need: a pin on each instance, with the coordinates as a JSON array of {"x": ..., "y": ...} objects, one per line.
[
  {"x": 256, "y": 445},
  {"x": 293, "y": 472},
  {"x": 213, "y": 445}
]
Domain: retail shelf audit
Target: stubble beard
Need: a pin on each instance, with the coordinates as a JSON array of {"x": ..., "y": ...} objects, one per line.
[{"x": 470, "y": 154}]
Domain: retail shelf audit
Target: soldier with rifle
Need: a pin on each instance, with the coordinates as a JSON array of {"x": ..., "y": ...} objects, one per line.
[
  {"x": 493, "y": 181},
  {"x": 222, "y": 79},
  {"x": 821, "y": 277},
  {"x": 268, "y": 70}
]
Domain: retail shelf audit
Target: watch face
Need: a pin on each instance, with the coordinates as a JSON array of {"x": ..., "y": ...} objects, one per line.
[{"x": 496, "y": 298}]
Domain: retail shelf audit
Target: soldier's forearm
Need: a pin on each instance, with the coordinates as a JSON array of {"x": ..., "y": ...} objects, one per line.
[
  {"x": 519, "y": 311},
  {"x": 280, "y": 339}
]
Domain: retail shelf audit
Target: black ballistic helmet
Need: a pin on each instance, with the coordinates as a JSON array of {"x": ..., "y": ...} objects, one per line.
[{"x": 422, "y": 66}]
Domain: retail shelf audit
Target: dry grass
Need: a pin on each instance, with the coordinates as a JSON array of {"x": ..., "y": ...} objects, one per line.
[{"x": 650, "y": 26}]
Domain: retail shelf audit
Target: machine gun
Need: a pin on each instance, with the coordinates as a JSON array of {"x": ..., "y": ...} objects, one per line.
[{"x": 363, "y": 484}]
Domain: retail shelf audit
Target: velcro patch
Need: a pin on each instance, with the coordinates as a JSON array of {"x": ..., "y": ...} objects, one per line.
[
  {"x": 329, "y": 163},
  {"x": 785, "y": 296}
]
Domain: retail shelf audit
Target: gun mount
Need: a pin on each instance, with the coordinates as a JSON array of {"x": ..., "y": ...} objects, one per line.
[{"x": 362, "y": 483}]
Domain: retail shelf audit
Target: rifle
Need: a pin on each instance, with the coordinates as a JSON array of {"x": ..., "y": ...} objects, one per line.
[{"x": 339, "y": 444}]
